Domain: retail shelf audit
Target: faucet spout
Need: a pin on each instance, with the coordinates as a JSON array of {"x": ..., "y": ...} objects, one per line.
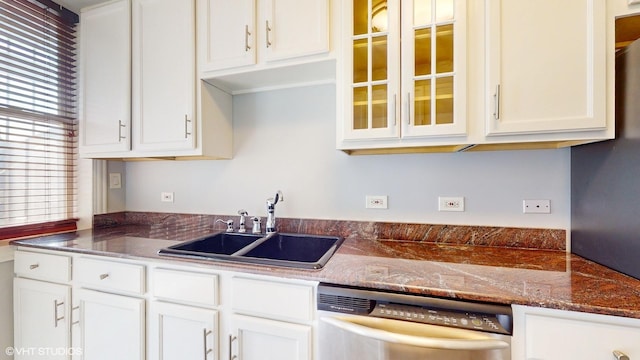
[{"x": 271, "y": 208}]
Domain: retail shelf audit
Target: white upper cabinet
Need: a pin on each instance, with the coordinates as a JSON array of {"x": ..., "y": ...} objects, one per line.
[
  {"x": 546, "y": 63},
  {"x": 229, "y": 29},
  {"x": 293, "y": 28},
  {"x": 460, "y": 75},
  {"x": 164, "y": 82},
  {"x": 403, "y": 79},
  {"x": 105, "y": 126},
  {"x": 252, "y": 45},
  {"x": 141, "y": 96}
]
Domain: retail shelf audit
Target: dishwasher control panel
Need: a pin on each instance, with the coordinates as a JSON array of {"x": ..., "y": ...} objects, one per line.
[
  {"x": 466, "y": 320},
  {"x": 494, "y": 318}
]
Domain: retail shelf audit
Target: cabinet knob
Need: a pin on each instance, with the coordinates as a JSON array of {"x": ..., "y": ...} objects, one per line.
[
  {"x": 620, "y": 355},
  {"x": 34, "y": 266},
  {"x": 103, "y": 276}
]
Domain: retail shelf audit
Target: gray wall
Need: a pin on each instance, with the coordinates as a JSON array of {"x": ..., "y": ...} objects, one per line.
[{"x": 285, "y": 140}]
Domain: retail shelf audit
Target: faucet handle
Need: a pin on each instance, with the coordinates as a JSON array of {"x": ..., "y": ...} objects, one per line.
[
  {"x": 242, "y": 213},
  {"x": 229, "y": 224},
  {"x": 274, "y": 200},
  {"x": 256, "y": 225}
]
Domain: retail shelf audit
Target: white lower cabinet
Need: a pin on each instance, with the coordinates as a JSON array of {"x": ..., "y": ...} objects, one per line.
[
  {"x": 42, "y": 306},
  {"x": 41, "y": 315},
  {"x": 183, "y": 320},
  {"x": 110, "y": 326},
  {"x": 548, "y": 334},
  {"x": 272, "y": 319},
  {"x": 180, "y": 332},
  {"x": 254, "y": 338}
]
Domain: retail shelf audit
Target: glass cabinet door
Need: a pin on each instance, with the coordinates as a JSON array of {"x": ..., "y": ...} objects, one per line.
[
  {"x": 405, "y": 69},
  {"x": 374, "y": 76},
  {"x": 433, "y": 68}
]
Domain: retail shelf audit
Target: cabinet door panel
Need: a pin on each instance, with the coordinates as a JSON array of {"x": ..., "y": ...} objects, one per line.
[
  {"x": 105, "y": 126},
  {"x": 546, "y": 76},
  {"x": 41, "y": 316},
  {"x": 182, "y": 332},
  {"x": 434, "y": 79},
  {"x": 550, "y": 338},
  {"x": 228, "y": 34},
  {"x": 111, "y": 326},
  {"x": 164, "y": 75},
  {"x": 261, "y": 339},
  {"x": 294, "y": 28}
]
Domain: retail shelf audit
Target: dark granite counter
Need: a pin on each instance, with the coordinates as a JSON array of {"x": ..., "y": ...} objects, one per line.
[{"x": 455, "y": 269}]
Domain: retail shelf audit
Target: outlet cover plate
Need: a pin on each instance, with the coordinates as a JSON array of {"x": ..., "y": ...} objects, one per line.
[
  {"x": 377, "y": 202},
  {"x": 536, "y": 206},
  {"x": 451, "y": 203}
]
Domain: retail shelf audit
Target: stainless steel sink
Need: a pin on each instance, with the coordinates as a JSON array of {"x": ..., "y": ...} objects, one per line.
[{"x": 277, "y": 249}]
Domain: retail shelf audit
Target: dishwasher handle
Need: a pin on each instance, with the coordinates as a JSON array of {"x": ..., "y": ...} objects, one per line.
[{"x": 447, "y": 338}]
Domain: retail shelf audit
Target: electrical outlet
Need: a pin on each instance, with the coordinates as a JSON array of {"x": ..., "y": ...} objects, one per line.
[
  {"x": 376, "y": 202},
  {"x": 450, "y": 203},
  {"x": 166, "y": 197},
  {"x": 536, "y": 206}
]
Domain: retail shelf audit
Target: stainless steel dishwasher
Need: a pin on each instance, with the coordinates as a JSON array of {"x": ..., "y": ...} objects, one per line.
[{"x": 369, "y": 324}]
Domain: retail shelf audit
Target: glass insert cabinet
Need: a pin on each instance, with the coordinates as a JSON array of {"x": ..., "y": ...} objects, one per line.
[{"x": 404, "y": 69}]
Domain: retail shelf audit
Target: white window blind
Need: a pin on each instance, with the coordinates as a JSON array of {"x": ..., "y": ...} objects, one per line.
[{"x": 37, "y": 113}]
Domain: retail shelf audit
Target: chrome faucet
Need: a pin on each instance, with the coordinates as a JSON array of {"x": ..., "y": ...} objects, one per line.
[
  {"x": 271, "y": 208},
  {"x": 243, "y": 213}
]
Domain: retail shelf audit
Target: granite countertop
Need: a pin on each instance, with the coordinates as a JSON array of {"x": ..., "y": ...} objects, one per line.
[{"x": 497, "y": 274}]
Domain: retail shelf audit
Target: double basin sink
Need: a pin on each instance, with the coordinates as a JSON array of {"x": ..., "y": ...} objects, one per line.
[{"x": 278, "y": 249}]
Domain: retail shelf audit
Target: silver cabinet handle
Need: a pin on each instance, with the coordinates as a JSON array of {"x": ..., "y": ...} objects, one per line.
[
  {"x": 395, "y": 104},
  {"x": 496, "y": 101},
  {"x": 231, "y": 340},
  {"x": 620, "y": 355},
  {"x": 267, "y": 31},
  {"x": 104, "y": 276},
  {"x": 120, "y": 126},
  {"x": 246, "y": 38},
  {"x": 408, "y": 108},
  {"x": 207, "y": 350},
  {"x": 34, "y": 266},
  {"x": 186, "y": 126},
  {"x": 72, "y": 310},
  {"x": 57, "y": 318}
]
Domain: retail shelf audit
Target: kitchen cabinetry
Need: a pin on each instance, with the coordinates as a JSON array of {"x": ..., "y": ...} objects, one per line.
[
  {"x": 271, "y": 320},
  {"x": 105, "y": 125},
  {"x": 498, "y": 79},
  {"x": 545, "y": 76},
  {"x": 182, "y": 323},
  {"x": 164, "y": 82},
  {"x": 402, "y": 81},
  {"x": 111, "y": 326},
  {"x": 6, "y": 299},
  {"x": 110, "y": 309},
  {"x": 548, "y": 334},
  {"x": 253, "y": 43},
  {"x": 172, "y": 114},
  {"x": 42, "y": 305}
]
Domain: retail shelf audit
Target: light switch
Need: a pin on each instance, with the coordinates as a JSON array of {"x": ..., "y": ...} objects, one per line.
[{"x": 115, "y": 180}]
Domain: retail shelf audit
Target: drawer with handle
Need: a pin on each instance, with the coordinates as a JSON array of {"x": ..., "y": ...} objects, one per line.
[
  {"x": 110, "y": 275},
  {"x": 42, "y": 266}
]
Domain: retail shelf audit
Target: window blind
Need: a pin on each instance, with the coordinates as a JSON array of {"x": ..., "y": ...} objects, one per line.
[{"x": 38, "y": 147}]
